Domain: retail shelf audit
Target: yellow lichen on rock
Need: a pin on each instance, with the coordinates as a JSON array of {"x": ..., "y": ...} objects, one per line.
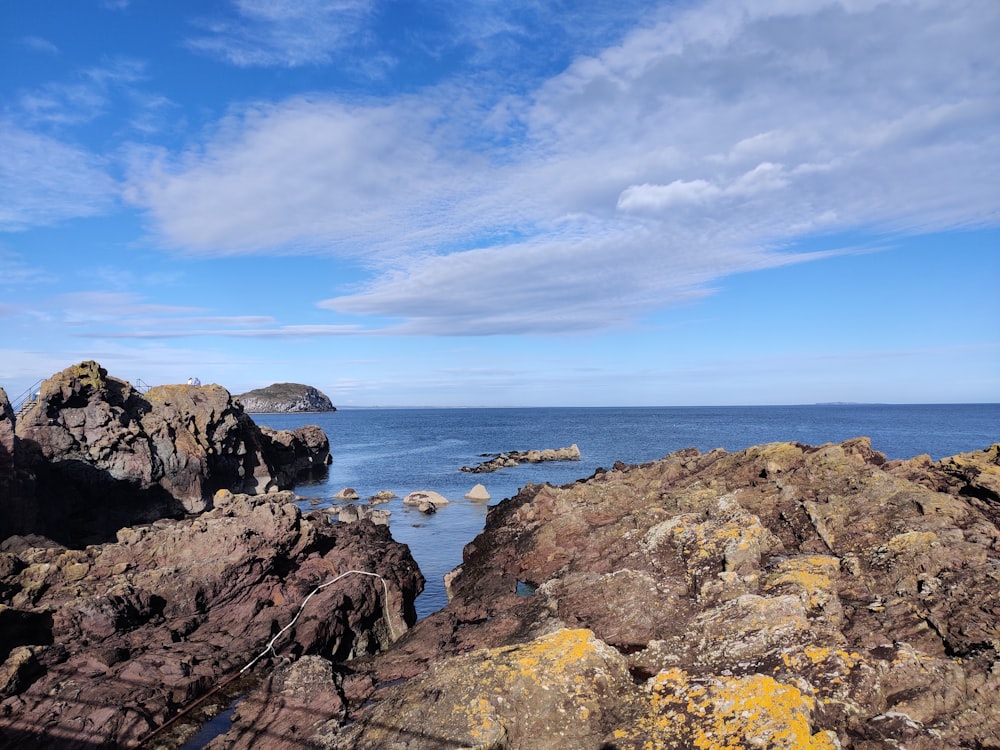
[{"x": 723, "y": 713}]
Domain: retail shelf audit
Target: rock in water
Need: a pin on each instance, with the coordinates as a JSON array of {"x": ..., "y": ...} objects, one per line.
[
  {"x": 283, "y": 398},
  {"x": 785, "y": 596},
  {"x": 516, "y": 458},
  {"x": 478, "y": 492}
]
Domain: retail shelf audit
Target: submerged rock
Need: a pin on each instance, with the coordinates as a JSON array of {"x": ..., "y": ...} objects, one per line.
[{"x": 785, "y": 596}]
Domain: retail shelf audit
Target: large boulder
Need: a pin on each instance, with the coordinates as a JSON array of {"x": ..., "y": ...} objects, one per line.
[
  {"x": 102, "y": 646},
  {"x": 303, "y": 451},
  {"x": 784, "y": 596},
  {"x": 105, "y": 455},
  {"x": 285, "y": 398}
]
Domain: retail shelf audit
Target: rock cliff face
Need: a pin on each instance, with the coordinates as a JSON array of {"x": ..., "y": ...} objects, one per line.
[
  {"x": 785, "y": 596},
  {"x": 7, "y": 439},
  {"x": 285, "y": 398},
  {"x": 104, "y": 455},
  {"x": 101, "y": 646}
]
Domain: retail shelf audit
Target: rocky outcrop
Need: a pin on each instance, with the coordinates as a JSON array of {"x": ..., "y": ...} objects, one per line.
[
  {"x": 302, "y": 452},
  {"x": 7, "y": 440},
  {"x": 105, "y": 456},
  {"x": 516, "y": 458},
  {"x": 102, "y": 646},
  {"x": 283, "y": 398},
  {"x": 786, "y": 596}
]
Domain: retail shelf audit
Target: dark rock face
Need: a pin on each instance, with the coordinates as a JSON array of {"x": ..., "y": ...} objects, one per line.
[
  {"x": 281, "y": 398},
  {"x": 785, "y": 596},
  {"x": 103, "y": 645},
  {"x": 105, "y": 456},
  {"x": 7, "y": 440},
  {"x": 304, "y": 451}
]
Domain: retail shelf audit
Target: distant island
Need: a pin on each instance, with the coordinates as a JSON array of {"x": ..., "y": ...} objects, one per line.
[{"x": 281, "y": 398}]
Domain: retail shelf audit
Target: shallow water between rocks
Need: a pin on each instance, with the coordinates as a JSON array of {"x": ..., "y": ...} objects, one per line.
[{"x": 407, "y": 450}]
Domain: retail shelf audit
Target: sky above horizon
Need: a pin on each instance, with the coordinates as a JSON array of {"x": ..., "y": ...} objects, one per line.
[{"x": 506, "y": 203}]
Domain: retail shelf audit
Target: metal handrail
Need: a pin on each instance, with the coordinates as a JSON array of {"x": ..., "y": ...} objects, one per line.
[{"x": 27, "y": 398}]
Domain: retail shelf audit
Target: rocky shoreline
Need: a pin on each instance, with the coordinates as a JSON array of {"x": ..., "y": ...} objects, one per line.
[
  {"x": 785, "y": 596},
  {"x": 152, "y": 547}
]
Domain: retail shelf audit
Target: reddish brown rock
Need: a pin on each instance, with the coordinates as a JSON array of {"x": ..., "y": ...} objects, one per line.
[
  {"x": 106, "y": 456},
  {"x": 785, "y": 596},
  {"x": 104, "y": 644},
  {"x": 304, "y": 451}
]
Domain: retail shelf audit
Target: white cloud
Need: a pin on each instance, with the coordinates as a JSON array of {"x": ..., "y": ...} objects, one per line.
[
  {"x": 14, "y": 272},
  {"x": 286, "y": 33},
  {"x": 40, "y": 44},
  {"x": 44, "y": 181},
  {"x": 687, "y": 152},
  {"x": 86, "y": 97},
  {"x": 646, "y": 196}
]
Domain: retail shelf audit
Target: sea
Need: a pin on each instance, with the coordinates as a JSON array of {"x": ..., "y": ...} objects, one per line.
[{"x": 413, "y": 449}]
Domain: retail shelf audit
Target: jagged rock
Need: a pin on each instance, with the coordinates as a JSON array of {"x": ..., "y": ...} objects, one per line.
[
  {"x": 516, "y": 458},
  {"x": 784, "y": 596},
  {"x": 351, "y": 513},
  {"x": 7, "y": 440},
  {"x": 553, "y": 692},
  {"x": 281, "y": 398},
  {"x": 293, "y": 454},
  {"x": 108, "y": 642},
  {"x": 382, "y": 496},
  {"x": 347, "y": 493},
  {"x": 104, "y": 455}
]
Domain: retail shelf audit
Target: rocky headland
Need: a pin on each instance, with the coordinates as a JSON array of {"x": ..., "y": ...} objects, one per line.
[
  {"x": 151, "y": 554},
  {"x": 92, "y": 454},
  {"x": 285, "y": 398},
  {"x": 785, "y": 596},
  {"x": 510, "y": 459}
]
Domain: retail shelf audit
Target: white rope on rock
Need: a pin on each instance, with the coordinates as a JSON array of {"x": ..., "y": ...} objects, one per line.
[{"x": 269, "y": 648}]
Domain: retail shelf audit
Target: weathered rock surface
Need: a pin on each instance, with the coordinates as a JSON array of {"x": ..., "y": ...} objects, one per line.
[
  {"x": 103, "y": 645},
  {"x": 7, "y": 441},
  {"x": 785, "y": 596},
  {"x": 104, "y": 456},
  {"x": 281, "y": 398},
  {"x": 426, "y": 501},
  {"x": 304, "y": 451},
  {"x": 516, "y": 458}
]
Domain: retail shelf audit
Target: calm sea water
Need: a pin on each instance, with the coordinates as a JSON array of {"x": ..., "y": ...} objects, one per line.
[{"x": 406, "y": 450}]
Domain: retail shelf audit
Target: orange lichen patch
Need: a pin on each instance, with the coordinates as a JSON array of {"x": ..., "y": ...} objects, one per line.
[
  {"x": 724, "y": 714},
  {"x": 812, "y": 575},
  {"x": 484, "y": 727},
  {"x": 827, "y": 668},
  {"x": 913, "y": 542}
]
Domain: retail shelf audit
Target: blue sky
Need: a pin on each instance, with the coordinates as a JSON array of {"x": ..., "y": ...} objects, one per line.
[{"x": 506, "y": 203}]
